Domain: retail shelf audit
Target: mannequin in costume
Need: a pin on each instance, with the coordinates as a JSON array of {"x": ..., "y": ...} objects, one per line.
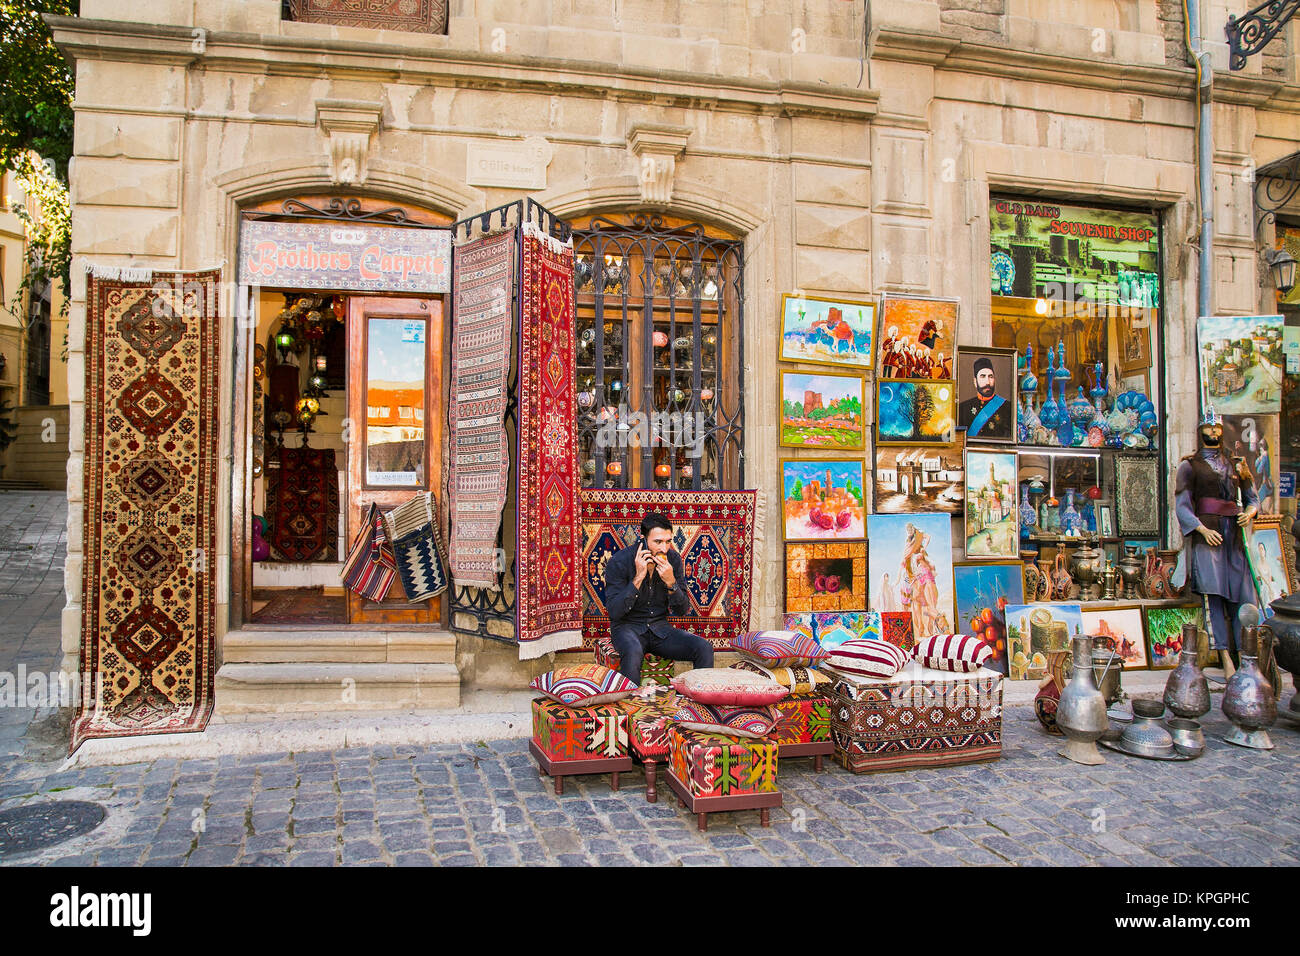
[{"x": 1214, "y": 498}]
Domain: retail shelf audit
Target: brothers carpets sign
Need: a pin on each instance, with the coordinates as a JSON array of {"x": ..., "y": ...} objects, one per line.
[{"x": 346, "y": 258}]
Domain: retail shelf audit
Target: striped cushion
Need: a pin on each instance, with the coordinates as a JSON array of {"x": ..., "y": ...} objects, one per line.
[
  {"x": 797, "y": 680},
  {"x": 583, "y": 685},
  {"x": 725, "y": 685},
  {"x": 725, "y": 719},
  {"x": 953, "y": 652},
  {"x": 867, "y": 658},
  {"x": 779, "y": 648}
]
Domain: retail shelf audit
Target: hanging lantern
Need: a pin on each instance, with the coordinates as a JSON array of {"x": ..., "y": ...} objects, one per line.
[
  {"x": 663, "y": 471},
  {"x": 614, "y": 469},
  {"x": 660, "y": 339},
  {"x": 322, "y": 362},
  {"x": 284, "y": 339}
]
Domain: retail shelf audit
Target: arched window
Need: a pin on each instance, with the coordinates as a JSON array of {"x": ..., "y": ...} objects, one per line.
[{"x": 660, "y": 320}]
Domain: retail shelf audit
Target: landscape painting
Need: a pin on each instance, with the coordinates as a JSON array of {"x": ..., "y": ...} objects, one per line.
[
  {"x": 983, "y": 590},
  {"x": 1241, "y": 363},
  {"x": 909, "y": 558},
  {"x": 913, "y": 413},
  {"x": 823, "y": 499},
  {"x": 917, "y": 337},
  {"x": 822, "y": 410},
  {"x": 817, "y": 331},
  {"x": 992, "y": 518},
  {"x": 909, "y": 480}
]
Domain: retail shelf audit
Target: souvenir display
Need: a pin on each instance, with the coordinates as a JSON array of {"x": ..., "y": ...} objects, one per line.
[
  {"x": 1241, "y": 363},
  {"x": 986, "y": 394},
  {"x": 910, "y": 557},
  {"x": 817, "y": 331},
  {"x": 917, "y": 337},
  {"x": 919, "y": 479},
  {"x": 1121, "y": 626},
  {"x": 823, "y": 499},
  {"x": 992, "y": 516},
  {"x": 822, "y": 410},
  {"x": 915, "y": 412}
]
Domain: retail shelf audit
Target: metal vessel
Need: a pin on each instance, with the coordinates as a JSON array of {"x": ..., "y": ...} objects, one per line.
[
  {"x": 1144, "y": 736},
  {"x": 1081, "y": 711},
  {"x": 1286, "y": 631},
  {"x": 1187, "y": 694},
  {"x": 1248, "y": 699}
]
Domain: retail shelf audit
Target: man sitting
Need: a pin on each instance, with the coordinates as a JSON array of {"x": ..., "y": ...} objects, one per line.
[{"x": 643, "y": 585}]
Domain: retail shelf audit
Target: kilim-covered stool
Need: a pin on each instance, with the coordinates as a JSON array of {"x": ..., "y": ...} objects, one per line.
[
  {"x": 918, "y": 718},
  {"x": 803, "y": 726},
  {"x": 654, "y": 669},
  {"x": 712, "y": 773},
  {"x": 647, "y": 733},
  {"x": 568, "y": 741}
]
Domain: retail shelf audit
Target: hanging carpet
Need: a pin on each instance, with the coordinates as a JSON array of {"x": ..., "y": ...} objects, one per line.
[
  {"x": 412, "y": 527},
  {"x": 149, "y": 533},
  {"x": 548, "y": 615},
  {"x": 713, "y": 531},
  {"x": 480, "y": 370},
  {"x": 302, "y": 505}
]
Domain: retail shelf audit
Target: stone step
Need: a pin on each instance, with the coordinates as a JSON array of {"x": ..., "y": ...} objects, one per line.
[
  {"x": 333, "y": 687},
  {"x": 338, "y": 645}
]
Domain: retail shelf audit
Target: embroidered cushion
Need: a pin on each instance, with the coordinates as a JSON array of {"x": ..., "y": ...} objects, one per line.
[
  {"x": 583, "y": 685},
  {"x": 797, "y": 680},
  {"x": 953, "y": 652},
  {"x": 742, "y": 721},
  {"x": 779, "y": 648},
  {"x": 868, "y": 658},
  {"x": 726, "y": 685}
]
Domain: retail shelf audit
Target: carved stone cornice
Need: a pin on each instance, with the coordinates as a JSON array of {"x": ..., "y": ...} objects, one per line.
[
  {"x": 656, "y": 149},
  {"x": 349, "y": 126}
]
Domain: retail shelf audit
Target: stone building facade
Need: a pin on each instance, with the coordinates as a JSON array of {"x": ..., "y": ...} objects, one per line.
[{"x": 852, "y": 148}]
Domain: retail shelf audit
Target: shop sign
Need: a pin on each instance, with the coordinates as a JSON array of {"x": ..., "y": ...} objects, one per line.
[
  {"x": 1074, "y": 253},
  {"x": 1286, "y": 484},
  {"x": 346, "y": 257},
  {"x": 508, "y": 165}
]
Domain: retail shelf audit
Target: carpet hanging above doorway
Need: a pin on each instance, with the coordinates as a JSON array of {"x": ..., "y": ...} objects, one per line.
[{"x": 151, "y": 445}]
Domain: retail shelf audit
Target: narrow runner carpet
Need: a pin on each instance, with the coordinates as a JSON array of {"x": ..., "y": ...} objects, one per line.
[
  {"x": 302, "y": 496},
  {"x": 480, "y": 369},
  {"x": 714, "y": 533},
  {"x": 148, "y": 591},
  {"x": 548, "y": 595}
]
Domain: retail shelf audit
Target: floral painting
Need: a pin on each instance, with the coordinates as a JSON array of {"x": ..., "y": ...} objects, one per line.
[
  {"x": 983, "y": 590},
  {"x": 823, "y": 499}
]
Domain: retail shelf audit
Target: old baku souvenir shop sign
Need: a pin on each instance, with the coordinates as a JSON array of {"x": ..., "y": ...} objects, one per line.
[{"x": 347, "y": 258}]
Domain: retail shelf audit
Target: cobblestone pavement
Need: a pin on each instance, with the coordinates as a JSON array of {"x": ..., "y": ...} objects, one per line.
[{"x": 485, "y": 804}]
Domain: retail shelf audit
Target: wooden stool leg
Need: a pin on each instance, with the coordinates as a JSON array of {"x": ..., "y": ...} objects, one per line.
[
  {"x": 764, "y": 817},
  {"x": 559, "y": 786},
  {"x": 651, "y": 794},
  {"x": 614, "y": 781},
  {"x": 703, "y": 821},
  {"x": 817, "y": 763}
]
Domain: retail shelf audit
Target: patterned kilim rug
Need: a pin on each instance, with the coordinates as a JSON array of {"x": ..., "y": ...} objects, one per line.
[
  {"x": 480, "y": 369},
  {"x": 548, "y": 598},
  {"x": 415, "y": 16},
  {"x": 152, "y": 429},
  {"x": 302, "y": 505},
  {"x": 713, "y": 531}
]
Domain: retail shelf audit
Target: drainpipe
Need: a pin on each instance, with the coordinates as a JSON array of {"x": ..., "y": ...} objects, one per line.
[{"x": 1204, "y": 150}]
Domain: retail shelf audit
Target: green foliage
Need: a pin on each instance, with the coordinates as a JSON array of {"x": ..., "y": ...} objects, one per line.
[
  {"x": 49, "y": 234},
  {"x": 8, "y": 428},
  {"x": 36, "y": 84}
]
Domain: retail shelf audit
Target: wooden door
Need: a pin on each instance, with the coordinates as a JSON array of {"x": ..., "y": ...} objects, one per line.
[{"x": 395, "y": 442}]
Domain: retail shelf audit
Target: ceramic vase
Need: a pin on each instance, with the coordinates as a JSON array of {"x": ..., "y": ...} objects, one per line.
[
  {"x": 1187, "y": 694},
  {"x": 1071, "y": 520},
  {"x": 1028, "y": 518},
  {"x": 1248, "y": 699},
  {"x": 1081, "y": 711}
]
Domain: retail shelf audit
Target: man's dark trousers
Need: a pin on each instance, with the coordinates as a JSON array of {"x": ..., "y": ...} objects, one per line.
[{"x": 634, "y": 641}]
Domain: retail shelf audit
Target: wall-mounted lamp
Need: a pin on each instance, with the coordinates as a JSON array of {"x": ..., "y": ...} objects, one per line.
[{"x": 1283, "y": 266}]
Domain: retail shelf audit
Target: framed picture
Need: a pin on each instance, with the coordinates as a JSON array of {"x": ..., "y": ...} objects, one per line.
[
  {"x": 915, "y": 412},
  {"x": 896, "y": 628},
  {"x": 910, "y": 557},
  {"x": 1134, "y": 327},
  {"x": 917, "y": 337},
  {"x": 1165, "y": 633},
  {"x": 1106, "y": 519},
  {"x": 1036, "y": 630},
  {"x": 1138, "y": 380},
  {"x": 986, "y": 394},
  {"x": 1255, "y": 439},
  {"x": 835, "y": 332},
  {"x": 1241, "y": 362},
  {"x": 825, "y": 576},
  {"x": 1077, "y": 472},
  {"x": 822, "y": 410},
  {"x": 982, "y": 590},
  {"x": 1122, "y": 624},
  {"x": 992, "y": 516},
  {"x": 1270, "y": 562},
  {"x": 1137, "y": 508},
  {"x": 836, "y": 627},
  {"x": 823, "y": 499},
  {"x": 911, "y": 479}
]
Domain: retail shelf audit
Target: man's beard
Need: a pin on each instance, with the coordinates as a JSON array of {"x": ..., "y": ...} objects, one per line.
[{"x": 986, "y": 393}]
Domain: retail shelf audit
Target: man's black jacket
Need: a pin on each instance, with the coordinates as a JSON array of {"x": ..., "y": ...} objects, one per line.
[{"x": 646, "y": 608}]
